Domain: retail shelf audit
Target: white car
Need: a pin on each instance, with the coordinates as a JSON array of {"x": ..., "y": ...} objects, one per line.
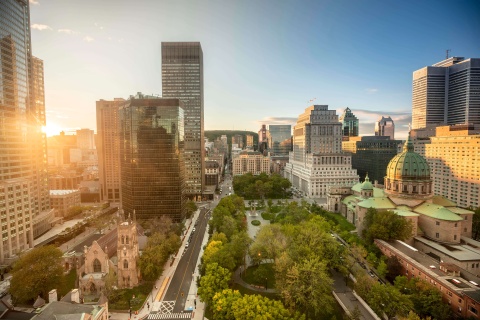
[{"x": 193, "y": 230}]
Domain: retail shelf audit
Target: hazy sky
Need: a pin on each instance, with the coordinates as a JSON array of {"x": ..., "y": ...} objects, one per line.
[{"x": 263, "y": 60}]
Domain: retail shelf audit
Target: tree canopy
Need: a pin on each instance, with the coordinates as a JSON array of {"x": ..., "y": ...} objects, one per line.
[
  {"x": 261, "y": 186},
  {"x": 36, "y": 273},
  {"x": 386, "y": 225}
]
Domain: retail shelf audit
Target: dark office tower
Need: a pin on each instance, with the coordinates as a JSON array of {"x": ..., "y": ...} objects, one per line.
[
  {"x": 279, "y": 139},
  {"x": 262, "y": 139},
  {"x": 108, "y": 148},
  {"x": 182, "y": 78},
  {"x": 151, "y": 157},
  {"x": 447, "y": 93},
  {"x": 21, "y": 120},
  {"x": 385, "y": 127},
  {"x": 371, "y": 155},
  {"x": 349, "y": 123}
]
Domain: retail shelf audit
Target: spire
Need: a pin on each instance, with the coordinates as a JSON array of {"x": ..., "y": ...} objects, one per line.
[
  {"x": 134, "y": 216},
  {"x": 408, "y": 146},
  {"x": 367, "y": 178}
]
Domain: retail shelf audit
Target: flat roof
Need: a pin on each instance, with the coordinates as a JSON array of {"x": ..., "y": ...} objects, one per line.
[
  {"x": 458, "y": 252},
  {"x": 62, "y": 192}
]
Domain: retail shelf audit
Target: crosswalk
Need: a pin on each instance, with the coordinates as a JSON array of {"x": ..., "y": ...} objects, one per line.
[
  {"x": 170, "y": 316},
  {"x": 166, "y": 306}
]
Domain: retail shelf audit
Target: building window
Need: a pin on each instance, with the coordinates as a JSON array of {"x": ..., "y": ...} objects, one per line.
[
  {"x": 97, "y": 266},
  {"x": 437, "y": 223},
  {"x": 454, "y": 237},
  {"x": 125, "y": 264},
  {"x": 437, "y": 235}
]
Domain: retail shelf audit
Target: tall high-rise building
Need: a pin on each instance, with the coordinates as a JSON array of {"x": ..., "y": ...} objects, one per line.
[
  {"x": 279, "y": 139},
  {"x": 249, "y": 138},
  {"x": 151, "y": 157},
  {"x": 108, "y": 148},
  {"x": 182, "y": 78},
  {"x": 447, "y": 93},
  {"x": 350, "y": 123},
  {"x": 385, "y": 127},
  {"x": 262, "y": 139},
  {"x": 24, "y": 201},
  {"x": 453, "y": 155},
  {"x": 317, "y": 161},
  {"x": 371, "y": 155},
  {"x": 85, "y": 139}
]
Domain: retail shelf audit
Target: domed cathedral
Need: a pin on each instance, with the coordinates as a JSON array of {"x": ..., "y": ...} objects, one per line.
[
  {"x": 408, "y": 175},
  {"x": 407, "y": 192},
  {"x": 127, "y": 253}
]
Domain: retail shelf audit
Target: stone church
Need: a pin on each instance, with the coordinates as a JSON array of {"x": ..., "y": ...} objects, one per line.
[{"x": 117, "y": 263}]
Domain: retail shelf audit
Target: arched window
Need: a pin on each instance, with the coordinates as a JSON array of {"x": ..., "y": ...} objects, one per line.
[
  {"x": 97, "y": 266},
  {"x": 123, "y": 240},
  {"x": 127, "y": 240},
  {"x": 125, "y": 264}
]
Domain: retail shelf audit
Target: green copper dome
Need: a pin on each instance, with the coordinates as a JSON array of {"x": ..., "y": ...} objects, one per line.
[
  {"x": 367, "y": 185},
  {"x": 408, "y": 165}
]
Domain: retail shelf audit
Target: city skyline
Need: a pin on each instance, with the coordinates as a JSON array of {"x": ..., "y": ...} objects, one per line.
[{"x": 344, "y": 54}]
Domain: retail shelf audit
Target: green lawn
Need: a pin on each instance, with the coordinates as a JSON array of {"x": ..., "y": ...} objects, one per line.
[
  {"x": 249, "y": 276},
  {"x": 123, "y": 298}
]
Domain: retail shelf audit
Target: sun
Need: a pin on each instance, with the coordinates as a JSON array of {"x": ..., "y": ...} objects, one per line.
[{"x": 51, "y": 129}]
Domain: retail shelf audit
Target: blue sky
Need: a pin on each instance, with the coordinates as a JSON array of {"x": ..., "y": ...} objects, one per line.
[{"x": 263, "y": 60}]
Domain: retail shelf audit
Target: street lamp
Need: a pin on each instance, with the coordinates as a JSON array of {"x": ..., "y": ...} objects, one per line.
[{"x": 266, "y": 282}]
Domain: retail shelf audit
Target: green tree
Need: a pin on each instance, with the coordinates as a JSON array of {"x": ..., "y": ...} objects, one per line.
[
  {"x": 190, "y": 208},
  {"x": 36, "y": 273},
  {"x": 386, "y": 225},
  {"x": 308, "y": 288},
  {"x": 476, "y": 224},
  {"x": 269, "y": 242},
  {"x": 215, "y": 280},
  {"x": 259, "y": 307},
  {"x": 222, "y": 306},
  {"x": 389, "y": 300},
  {"x": 382, "y": 268},
  {"x": 394, "y": 268}
]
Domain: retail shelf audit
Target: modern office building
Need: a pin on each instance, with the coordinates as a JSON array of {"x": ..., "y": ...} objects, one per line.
[
  {"x": 182, "y": 78},
  {"x": 349, "y": 123},
  {"x": 453, "y": 155},
  {"x": 238, "y": 140},
  {"x": 151, "y": 157},
  {"x": 24, "y": 194},
  {"x": 317, "y": 161},
  {"x": 385, "y": 127},
  {"x": 447, "y": 93},
  {"x": 279, "y": 139},
  {"x": 85, "y": 139},
  {"x": 63, "y": 200},
  {"x": 249, "y": 138},
  {"x": 108, "y": 148},
  {"x": 371, "y": 155}
]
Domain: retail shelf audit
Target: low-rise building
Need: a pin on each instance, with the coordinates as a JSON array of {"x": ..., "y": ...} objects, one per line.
[
  {"x": 251, "y": 161},
  {"x": 212, "y": 173},
  {"x": 63, "y": 200}
]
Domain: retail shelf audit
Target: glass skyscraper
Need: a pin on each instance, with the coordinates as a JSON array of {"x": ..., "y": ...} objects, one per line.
[
  {"x": 350, "y": 123},
  {"x": 24, "y": 200},
  {"x": 182, "y": 78},
  {"x": 279, "y": 139},
  {"x": 151, "y": 157}
]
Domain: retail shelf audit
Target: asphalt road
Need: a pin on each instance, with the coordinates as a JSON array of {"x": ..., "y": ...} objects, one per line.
[
  {"x": 183, "y": 276},
  {"x": 180, "y": 284}
]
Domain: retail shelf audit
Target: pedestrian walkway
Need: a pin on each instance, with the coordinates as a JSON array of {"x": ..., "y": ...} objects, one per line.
[{"x": 237, "y": 277}]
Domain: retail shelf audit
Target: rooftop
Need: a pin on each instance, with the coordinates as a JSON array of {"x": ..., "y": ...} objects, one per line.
[
  {"x": 437, "y": 212},
  {"x": 62, "y": 192}
]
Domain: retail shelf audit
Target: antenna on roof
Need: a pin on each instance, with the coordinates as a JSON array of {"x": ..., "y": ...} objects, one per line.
[{"x": 447, "y": 51}]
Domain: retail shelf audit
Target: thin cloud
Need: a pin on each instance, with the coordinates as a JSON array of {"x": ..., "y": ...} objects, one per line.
[
  {"x": 277, "y": 120},
  {"x": 88, "y": 39},
  {"x": 34, "y": 2},
  {"x": 67, "y": 31},
  {"x": 371, "y": 90},
  {"x": 40, "y": 27}
]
